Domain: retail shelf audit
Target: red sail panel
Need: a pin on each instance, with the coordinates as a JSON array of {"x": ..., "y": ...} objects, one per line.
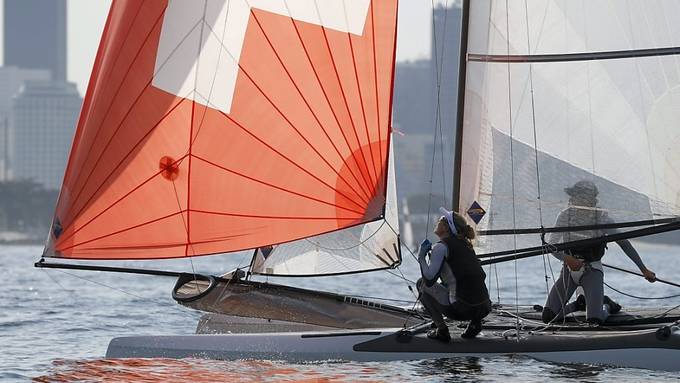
[{"x": 217, "y": 126}]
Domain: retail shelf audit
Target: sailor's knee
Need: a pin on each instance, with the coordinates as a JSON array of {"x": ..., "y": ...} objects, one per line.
[{"x": 548, "y": 315}]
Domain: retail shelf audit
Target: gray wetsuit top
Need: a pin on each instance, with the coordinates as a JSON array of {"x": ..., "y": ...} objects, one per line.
[
  {"x": 580, "y": 216},
  {"x": 438, "y": 268}
]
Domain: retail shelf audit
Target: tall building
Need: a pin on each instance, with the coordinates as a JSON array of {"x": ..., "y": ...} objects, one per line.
[
  {"x": 445, "y": 62},
  {"x": 35, "y": 35},
  {"x": 425, "y": 104},
  {"x": 11, "y": 81},
  {"x": 42, "y": 122}
]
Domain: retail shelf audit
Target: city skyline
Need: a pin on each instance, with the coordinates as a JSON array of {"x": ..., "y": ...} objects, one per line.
[{"x": 86, "y": 18}]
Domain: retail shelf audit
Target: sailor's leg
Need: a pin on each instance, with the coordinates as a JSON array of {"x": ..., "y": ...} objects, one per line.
[
  {"x": 475, "y": 326},
  {"x": 431, "y": 305},
  {"x": 593, "y": 288},
  {"x": 556, "y": 305}
]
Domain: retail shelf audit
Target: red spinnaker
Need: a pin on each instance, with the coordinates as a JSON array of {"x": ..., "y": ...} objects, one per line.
[{"x": 165, "y": 165}]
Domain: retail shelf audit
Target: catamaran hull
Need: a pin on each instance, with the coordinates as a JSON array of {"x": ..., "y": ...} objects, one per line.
[{"x": 639, "y": 349}]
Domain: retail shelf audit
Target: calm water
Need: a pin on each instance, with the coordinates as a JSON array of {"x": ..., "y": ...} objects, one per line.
[{"x": 56, "y": 325}]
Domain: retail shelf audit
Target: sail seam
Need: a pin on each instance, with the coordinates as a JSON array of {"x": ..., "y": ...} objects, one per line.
[
  {"x": 127, "y": 113},
  {"x": 176, "y": 163},
  {"x": 316, "y": 118},
  {"x": 112, "y": 172},
  {"x": 95, "y": 97},
  {"x": 275, "y": 186},
  {"x": 359, "y": 244},
  {"x": 377, "y": 98},
  {"x": 123, "y": 230},
  {"x": 191, "y": 134},
  {"x": 108, "y": 110},
  {"x": 273, "y": 216},
  {"x": 330, "y": 106},
  {"x": 361, "y": 100},
  {"x": 286, "y": 158},
  {"x": 349, "y": 113},
  {"x": 198, "y": 243},
  {"x": 289, "y": 123}
]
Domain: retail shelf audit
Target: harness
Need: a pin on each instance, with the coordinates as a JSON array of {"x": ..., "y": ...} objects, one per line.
[{"x": 589, "y": 254}]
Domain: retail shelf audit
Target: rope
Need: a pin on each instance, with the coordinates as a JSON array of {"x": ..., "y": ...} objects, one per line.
[
  {"x": 640, "y": 275},
  {"x": 639, "y": 297},
  {"x": 437, "y": 124},
  {"x": 663, "y": 314},
  {"x": 512, "y": 162}
]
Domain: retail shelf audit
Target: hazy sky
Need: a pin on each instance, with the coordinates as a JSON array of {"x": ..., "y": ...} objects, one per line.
[{"x": 86, "y": 21}]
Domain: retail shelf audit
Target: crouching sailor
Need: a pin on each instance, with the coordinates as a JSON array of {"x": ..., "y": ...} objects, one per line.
[
  {"x": 462, "y": 294},
  {"x": 582, "y": 266}
]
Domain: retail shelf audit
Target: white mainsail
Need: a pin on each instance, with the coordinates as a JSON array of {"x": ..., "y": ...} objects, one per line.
[{"x": 561, "y": 91}]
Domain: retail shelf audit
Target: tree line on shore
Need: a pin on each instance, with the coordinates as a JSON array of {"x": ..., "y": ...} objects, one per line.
[{"x": 26, "y": 207}]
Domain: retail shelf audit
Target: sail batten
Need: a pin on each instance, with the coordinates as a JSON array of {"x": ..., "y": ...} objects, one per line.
[
  {"x": 610, "y": 55},
  {"x": 219, "y": 126}
]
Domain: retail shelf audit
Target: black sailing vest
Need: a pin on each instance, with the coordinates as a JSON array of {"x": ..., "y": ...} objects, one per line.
[{"x": 470, "y": 286}]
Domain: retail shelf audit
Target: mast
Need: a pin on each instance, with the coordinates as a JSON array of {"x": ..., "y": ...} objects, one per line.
[{"x": 462, "y": 71}]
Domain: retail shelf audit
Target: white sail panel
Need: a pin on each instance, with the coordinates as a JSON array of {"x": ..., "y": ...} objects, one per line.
[
  {"x": 559, "y": 92},
  {"x": 365, "y": 247}
]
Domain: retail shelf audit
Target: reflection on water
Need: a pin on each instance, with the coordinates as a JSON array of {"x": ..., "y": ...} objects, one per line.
[
  {"x": 451, "y": 369},
  {"x": 189, "y": 370},
  {"x": 59, "y": 323},
  {"x": 579, "y": 371}
]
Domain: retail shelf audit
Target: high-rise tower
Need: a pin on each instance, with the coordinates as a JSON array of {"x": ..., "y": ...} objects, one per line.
[{"x": 35, "y": 35}]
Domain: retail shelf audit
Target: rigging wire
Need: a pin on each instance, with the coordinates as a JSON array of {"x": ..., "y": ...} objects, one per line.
[
  {"x": 186, "y": 227},
  {"x": 535, "y": 136},
  {"x": 512, "y": 161},
  {"x": 438, "y": 135},
  {"x": 111, "y": 288},
  {"x": 663, "y": 314}
]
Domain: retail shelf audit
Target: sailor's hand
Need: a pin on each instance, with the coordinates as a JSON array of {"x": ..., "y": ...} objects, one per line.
[
  {"x": 649, "y": 275},
  {"x": 425, "y": 247},
  {"x": 573, "y": 263}
]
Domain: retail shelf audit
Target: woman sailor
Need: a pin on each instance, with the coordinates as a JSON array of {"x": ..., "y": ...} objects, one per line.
[
  {"x": 582, "y": 266},
  {"x": 462, "y": 295}
]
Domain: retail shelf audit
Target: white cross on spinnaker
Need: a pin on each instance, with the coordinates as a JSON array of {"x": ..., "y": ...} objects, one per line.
[{"x": 201, "y": 41}]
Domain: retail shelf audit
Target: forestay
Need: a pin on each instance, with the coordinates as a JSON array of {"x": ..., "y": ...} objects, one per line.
[
  {"x": 561, "y": 91},
  {"x": 223, "y": 125}
]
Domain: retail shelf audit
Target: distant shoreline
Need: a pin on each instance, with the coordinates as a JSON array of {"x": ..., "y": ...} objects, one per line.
[
  {"x": 19, "y": 238},
  {"x": 22, "y": 242}
]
